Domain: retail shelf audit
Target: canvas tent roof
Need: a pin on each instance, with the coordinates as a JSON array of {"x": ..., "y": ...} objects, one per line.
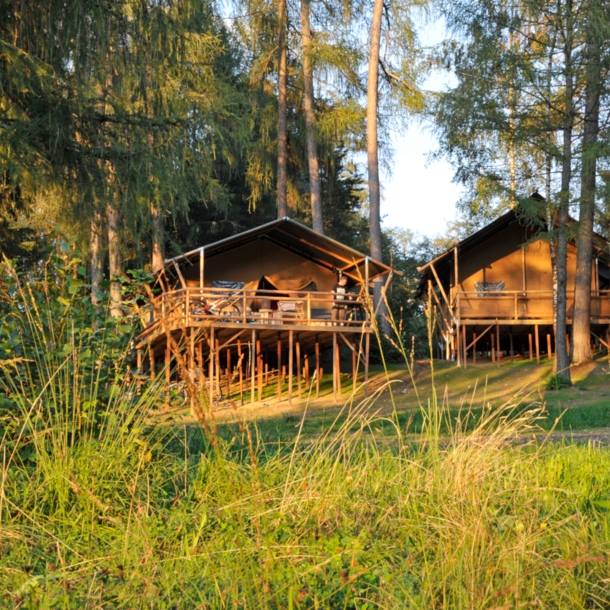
[
  {"x": 482, "y": 235},
  {"x": 297, "y": 238}
]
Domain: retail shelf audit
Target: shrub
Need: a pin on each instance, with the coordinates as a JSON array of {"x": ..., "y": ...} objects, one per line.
[
  {"x": 557, "y": 382},
  {"x": 61, "y": 356}
]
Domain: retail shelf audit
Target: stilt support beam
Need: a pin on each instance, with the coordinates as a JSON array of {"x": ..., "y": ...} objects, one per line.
[{"x": 290, "y": 364}]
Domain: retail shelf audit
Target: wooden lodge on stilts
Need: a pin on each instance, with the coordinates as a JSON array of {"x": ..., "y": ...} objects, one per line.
[
  {"x": 491, "y": 296},
  {"x": 252, "y": 313}
]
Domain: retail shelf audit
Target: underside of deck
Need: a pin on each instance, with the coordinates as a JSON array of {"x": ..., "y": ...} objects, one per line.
[
  {"x": 230, "y": 359},
  {"x": 499, "y": 339},
  {"x": 268, "y": 332}
]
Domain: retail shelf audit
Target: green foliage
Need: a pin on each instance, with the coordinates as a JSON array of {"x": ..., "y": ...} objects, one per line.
[
  {"x": 350, "y": 520},
  {"x": 125, "y": 514},
  {"x": 166, "y": 112},
  {"x": 557, "y": 382},
  {"x": 500, "y": 124},
  {"x": 406, "y": 252},
  {"x": 61, "y": 357},
  {"x": 138, "y": 107}
]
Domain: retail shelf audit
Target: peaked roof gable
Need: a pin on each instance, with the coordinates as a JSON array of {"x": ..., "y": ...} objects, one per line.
[
  {"x": 296, "y": 238},
  {"x": 493, "y": 228}
]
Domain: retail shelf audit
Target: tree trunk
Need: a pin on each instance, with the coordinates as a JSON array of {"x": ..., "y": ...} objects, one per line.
[
  {"x": 552, "y": 217},
  {"x": 114, "y": 261},
  {"x": 158, "y": 241},
  {"x": 96, "y": 258},
  {"x": 373, "y": 152},
  {"x": 282, "y": 135},
  {"x": 562, "y": 361},
  {"x": 312, "y": 155},
  {"x": 581, "y": 328}
]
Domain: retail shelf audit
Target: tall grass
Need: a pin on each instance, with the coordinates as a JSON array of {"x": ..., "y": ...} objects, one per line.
[{"x": 123, "y": 514}]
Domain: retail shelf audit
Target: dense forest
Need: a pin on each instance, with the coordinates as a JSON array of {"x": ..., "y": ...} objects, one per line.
[{"x": 137, "y": 130}]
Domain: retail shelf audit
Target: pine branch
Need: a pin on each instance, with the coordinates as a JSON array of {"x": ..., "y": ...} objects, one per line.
[
  {"x": 391, "y": 77},
  {"x": 138, "y": 122}
]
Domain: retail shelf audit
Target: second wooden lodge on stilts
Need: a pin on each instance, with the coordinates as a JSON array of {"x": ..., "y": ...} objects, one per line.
[
  {"x": 491, "y": 296},
  {"x": 254, "y": 310}
]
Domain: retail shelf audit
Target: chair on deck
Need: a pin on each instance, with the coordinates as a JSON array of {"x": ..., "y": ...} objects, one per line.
[
  {"x": 291, "y": 309},
  {"x": 226, "y": 302}
]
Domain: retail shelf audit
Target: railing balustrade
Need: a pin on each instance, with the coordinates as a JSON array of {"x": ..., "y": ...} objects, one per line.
[
  {"x": 522, "y": 304},
  {"x": 193, "y": 306}
]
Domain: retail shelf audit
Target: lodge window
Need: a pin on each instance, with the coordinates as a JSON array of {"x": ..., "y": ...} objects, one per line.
[{"x": 489, "y": 289}]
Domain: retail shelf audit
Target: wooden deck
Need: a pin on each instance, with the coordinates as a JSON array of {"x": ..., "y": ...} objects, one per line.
[
  {"x": 523, "y": 307},
  {"x": 239, "y": 339},
  {"x": 262, "y": 309},
  {"x": 469, "y": 320}
]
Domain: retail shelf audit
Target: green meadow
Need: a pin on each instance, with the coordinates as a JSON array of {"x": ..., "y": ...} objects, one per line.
[{"x": 455, "y": 500}]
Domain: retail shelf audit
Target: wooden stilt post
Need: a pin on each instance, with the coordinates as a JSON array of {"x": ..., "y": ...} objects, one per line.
[
  {"x": 191, "y": 359},
  {"x": 498, "y": 343},
  {"x": 465, "y": 345},
  {"x": 259, "y": 369},
  {"x": 290, "y": 364},
  {"x": 317, "y": 368},
  {"x": 191, "y": 372},
  {"x": 512, "y": 351},
  {"x": 253, "y": 367},
  {"x": 211, "y": 368},
  {"x": 200, "y": 365},
  {"x": 151, "y": 358},
  {"x": 306, "y": 375},
  {"x": 354, "y": 367},
  {"x": 279, "y": 368},
  {"x": 537, "y": 343},
  {"x": 228, "y": 372},
  {"x": 367, "y": 349},
  {"x": 168, "y": 371},
  {"x": 474, "y": 348},
  {"x": 458, "y": 349},
  {"x": 493, "y": 347},
  {"x": 217, "y": 367},
  {"x": 549, "y": 347},
  {"x": 338, "y": 351},
  {"x": 529, "y": 338},
  {"x": 240, "y": 372},
  {"x": 139, "y": 365},
  {"x": 298, "y": 355},
  {"x": 335, "y": 367}
]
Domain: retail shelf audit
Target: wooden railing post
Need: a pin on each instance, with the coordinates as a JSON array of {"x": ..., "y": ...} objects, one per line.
[
  {"x": 244, "y": 307},
  {"x": 188, "y": 308}
]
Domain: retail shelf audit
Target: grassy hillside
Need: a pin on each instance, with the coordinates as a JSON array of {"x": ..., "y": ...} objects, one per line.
[
  {"x": 376, "y": 503},
  {"x": 460, "y": 392},
  {"x": 137, "y": 517}
]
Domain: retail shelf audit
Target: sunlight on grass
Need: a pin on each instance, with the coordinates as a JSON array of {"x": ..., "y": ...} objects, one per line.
[{"x": 109, "y": 511}]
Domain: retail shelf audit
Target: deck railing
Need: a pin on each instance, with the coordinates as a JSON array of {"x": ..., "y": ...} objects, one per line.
[
  {"x": 522, "y": 305},
  {"x": 194, "y": 306}
]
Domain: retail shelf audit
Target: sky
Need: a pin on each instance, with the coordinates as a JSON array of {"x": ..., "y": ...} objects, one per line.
[{"x": 419, "y": 194}]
